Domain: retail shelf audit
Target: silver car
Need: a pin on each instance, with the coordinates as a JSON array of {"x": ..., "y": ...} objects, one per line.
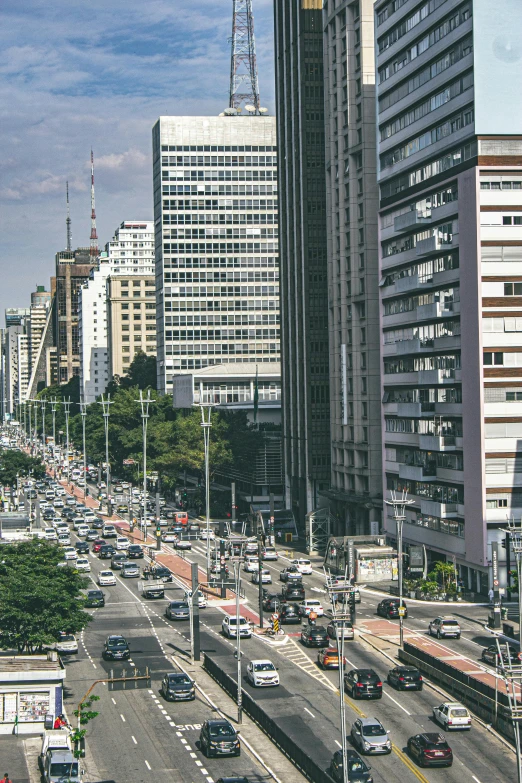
[{"x": 368, "y": 735}]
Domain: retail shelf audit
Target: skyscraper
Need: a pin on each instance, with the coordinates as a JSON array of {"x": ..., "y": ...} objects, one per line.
[
  {"x": 215, "y": 213},
  {"x": 303, "y": 262},
  {"x": 72, "y": 270},
  {"x": 450, "y": 177}
]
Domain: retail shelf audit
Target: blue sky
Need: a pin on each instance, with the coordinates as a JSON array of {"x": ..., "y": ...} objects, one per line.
[{"x": 76, "y": 74}]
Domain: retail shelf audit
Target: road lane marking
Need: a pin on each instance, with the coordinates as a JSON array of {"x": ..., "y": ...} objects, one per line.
[
  {"x": 134, "y": 739},
  {"x": 475, "y": 779},
  {"x": 199, "y": 763},
  {"x": 397, "y": 703},
  {"x": 193, "y": 756},
  {"x": 147, "y": 764},
  {"x": 310, "y": 713},
  {"x": 121, "y": 716},
  {"x": 113, "y": 700},
  {"x": 338, "y": 743}
]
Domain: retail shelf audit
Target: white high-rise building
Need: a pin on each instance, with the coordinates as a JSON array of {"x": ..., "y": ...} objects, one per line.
[
  {"x": 217, "y": 267},
  {"x": 130, "y": 252}
]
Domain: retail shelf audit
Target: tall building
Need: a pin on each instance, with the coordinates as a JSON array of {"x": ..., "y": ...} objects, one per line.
[
  {"x": 215, "y": 213},
  {"x": 303, "y": 262},
  {"x": 131, "y": 320},
  {"x": 353, "y": 308},
  {"x": 38, "y": 315},
  {"x": 14, "y": 316},
  {"x": 12, "y": 358},
  {"x": 3, "y": 395},
  {"x": 450, "y": 177},
  {"x": 130, "y": 252},
  {"x": 72, "y": 270}
]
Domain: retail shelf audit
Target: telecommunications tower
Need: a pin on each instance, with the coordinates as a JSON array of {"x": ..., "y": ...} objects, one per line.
[
  {"x": 94, "y": 236},
  {"x": 68, "y": 219},
  {"x": 244, "y": 85}
]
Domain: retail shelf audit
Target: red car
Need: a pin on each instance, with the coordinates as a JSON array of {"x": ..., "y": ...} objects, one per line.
[{"x": 97, "y": 545}]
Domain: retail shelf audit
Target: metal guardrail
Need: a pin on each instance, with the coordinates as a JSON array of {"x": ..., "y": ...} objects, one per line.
[{"x": 299, "y": 756}]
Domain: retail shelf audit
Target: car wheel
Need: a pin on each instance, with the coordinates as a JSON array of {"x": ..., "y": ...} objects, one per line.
[
  {"x": 457, "y": 637},
  {"x": 353, "y": 693},
  {"x": 438, "y": 634},
  {"x": 239, "y": 753},
  {"x": 388, "y": 680}
]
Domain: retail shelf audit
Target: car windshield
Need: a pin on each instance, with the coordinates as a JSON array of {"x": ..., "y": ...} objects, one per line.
[
  {"x": 94, "y": 594},
  {"x": 374, "y": 730},
  {"x": 178, "y": 678},
  {"x": 356, "y": 765},
  {"x": 106, "y": 573},
  {"x": 233, "y": 621},
  {"x": 317, "y": 632},
  {"x": 67, "y": 637},
  {"x": 118, "y": 643},
  {"x": 179, "y": 605},
  {"x": 64, "y": 769},
  {"x": 222, "y": 730},
  {"x": 264, "y": 667}
]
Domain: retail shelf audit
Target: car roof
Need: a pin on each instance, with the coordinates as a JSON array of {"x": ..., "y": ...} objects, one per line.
[
  {"x": 366, "y": 672},
  {"x": 370, "y": 721},
  {"x": 114, "y": 636},
  {"x": 261, "y": 660},
  {"x": 219, "y": 722}
]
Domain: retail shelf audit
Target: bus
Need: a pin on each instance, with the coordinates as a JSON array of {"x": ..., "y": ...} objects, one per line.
[{"x": 285, "y": 527}]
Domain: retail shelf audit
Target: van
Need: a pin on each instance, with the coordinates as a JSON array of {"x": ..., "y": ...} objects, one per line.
[{"x": 181, "y": 518}]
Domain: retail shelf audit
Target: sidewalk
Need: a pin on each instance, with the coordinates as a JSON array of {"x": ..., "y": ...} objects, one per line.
[{"x": 13, "y": 758}]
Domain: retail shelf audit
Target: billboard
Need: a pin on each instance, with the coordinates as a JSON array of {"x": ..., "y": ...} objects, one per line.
[{"x": 182, "y": 391}]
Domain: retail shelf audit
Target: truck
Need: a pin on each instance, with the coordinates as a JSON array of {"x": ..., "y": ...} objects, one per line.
[
  {"x": 57, "y": 762},
  {"x": 154, "y": 589}
]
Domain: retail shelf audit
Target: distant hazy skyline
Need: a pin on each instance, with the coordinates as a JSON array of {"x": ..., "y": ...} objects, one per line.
[{"x": 76, "y": 75}]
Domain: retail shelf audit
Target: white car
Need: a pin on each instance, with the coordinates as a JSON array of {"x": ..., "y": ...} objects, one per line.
[
  {"x": 302, "y": 565},
  {"x": 452, "y": 715},
  {"x": 122, "y": 542},
  {"x": 270, "y": 553},
  {"x": 202, "y": 601},
  {"x": 70, "y": 553},
  {"x": 58, "y": 503},
  {"x": 266, "y": 577},
  {"x": 66, "y": 644},
  {"x": 106, "y": 578},
  {"x": 83, "y": 564},
  {"x": 251, "y": 564},
  {"x": 82, "y": 530},
  {"x": 62, "y": 528},
  {"x": 229, "y": 627},
  {"x": 50, "y": 534},
  {"x": 60, "y": 491},
  {"x": 89, "y": 515},
  {"x": 64, "y": 539},
  {"x": 204, "y": 536},
  {"x": 262, "y": 673},
  {"x": 311, "y": 605}
]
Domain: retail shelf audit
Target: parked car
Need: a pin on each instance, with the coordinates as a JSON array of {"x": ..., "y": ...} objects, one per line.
[
  {"x": 368, "y": 735},
  {"x": 116, "y": 648},
  {"x": 329, "y": 658},
  {"x": 262, "y": 673},
  {"x": 94, "y": 599},
  {"x": 405, "y": 678},
  {"x": 358, "y": 770},
  {"x": 229, "y": 627},
  {"x": 219, "y": 738},
  {"x": 177, "y": 686},
  {"x": 106, "y": 578},
  {"x": 430, "y": 750},
  {"x": 443, "y": 627},
  {"x": 389, "y": 608},
  {"x": 314, "y": 636},
  {"x": 452, "y": 715},
  {"x": 363, "y": 684},
  {"x": 177, "y": 610}
]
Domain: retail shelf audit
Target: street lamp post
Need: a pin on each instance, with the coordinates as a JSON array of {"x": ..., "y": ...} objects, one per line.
[
  {"x": 399, "y": 504},
  {"x": 28, "y": 403},
  {"x": 43, "y": 403},
  {"x": 237, "y": 574},
  {"x": 106, "y": 404},
  {"x": 145, "y": 403},
  {"x": 54, "y": 404},
  {"x": 67, "y": 407},
  {"x": 83, "y": 414},
  {"x": 206, "y": 423},
  {"x": 35, "y": 424}
]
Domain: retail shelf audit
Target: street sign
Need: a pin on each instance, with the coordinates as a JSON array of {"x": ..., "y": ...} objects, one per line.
[
  {"x": 402, "y": 611},
  {"x": 275, "y": 616}
]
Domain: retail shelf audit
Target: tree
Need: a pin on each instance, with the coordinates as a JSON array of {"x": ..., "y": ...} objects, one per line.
[
  {"x": 13, "y": 463},
  {"x": 141, "y": 373},
  {"x": 38, "y": 600}
]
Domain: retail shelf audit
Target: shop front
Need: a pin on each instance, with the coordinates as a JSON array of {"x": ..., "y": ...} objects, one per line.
[{"x": 31, "y": 688}]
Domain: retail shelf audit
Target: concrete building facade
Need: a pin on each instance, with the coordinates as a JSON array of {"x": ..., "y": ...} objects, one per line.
[
  {"x": 131, "y": 320},
  {"x": 450, "y": 177},
  {"x": 215, "y": 213},
  {"x": 303, "y": 258},
  {"x": 72, "y": 270},
  {"x": 355, "y": 496}
]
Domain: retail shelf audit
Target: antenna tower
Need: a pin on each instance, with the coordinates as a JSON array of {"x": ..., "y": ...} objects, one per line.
[
  {"x": 94, "y": 236},
  {"x": 68, "y": 220},
  {"x": 244, "y": 86}
]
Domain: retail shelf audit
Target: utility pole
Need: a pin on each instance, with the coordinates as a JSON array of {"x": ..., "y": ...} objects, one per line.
[
  {"x": 145, "y": 403},
  {"x": 206, "y": 423},
  {"x": 195, "y": 635},
  {"x": 271, "y": 527},
  {"x": 35, "y": 424},
  {"x": 28, "y": 403},
  {"x": 260, "y": 572},
  {"x": 237, "y": 575},
  {"x": 83, "y": 414},
  {"x": 106, "y": 405},
  {"x": 54, "y": 404},
  {"x": 399, "y": 504},
  {"x": 158, "y": 514},
  {"x": 43, "y": 403},
  {"x": 67, "y": 407}
]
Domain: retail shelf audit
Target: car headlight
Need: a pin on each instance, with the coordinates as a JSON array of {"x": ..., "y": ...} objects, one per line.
[{"x": 367, "y": 745}]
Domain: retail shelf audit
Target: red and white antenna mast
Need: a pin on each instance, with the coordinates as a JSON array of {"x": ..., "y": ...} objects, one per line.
[{"x": 94, "y": 252}]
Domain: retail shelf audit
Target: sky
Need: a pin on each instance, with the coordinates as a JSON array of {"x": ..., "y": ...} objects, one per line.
[{"x": 76, "y": 75}]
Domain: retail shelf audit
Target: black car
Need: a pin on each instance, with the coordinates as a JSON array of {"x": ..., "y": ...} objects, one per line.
[
  {"x": 290, "y": 614},
  {"x": 219, "y": 738},
  {"x": 272, "y": 602},
  {"x": 95, "y": 598},
  {"x": 314, "y": 636},
  {"x": 116, "y": 648},
  {"x": 430, "y": 750},
  {"x": 358, "y": 770},
  {"x": 97, "y": 523},
  {"x": 135, "y": 551},
  {"x": 157, "y": 572},
  {"x": 82, "y": 547},
  {"x": 405, "y": 678},
  {"x": 117, "y": 559},
  {"x": 490, "y": 655},
  {"x": 363, "y": 684},
  {"x": 293, "y": 592},
  {"x": 106, "y": 552},
  {"x": 389, "y": 608},
  {"x": 177, "y": 686}
]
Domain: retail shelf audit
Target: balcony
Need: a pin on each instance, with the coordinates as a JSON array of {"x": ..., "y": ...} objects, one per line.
[
  {"x": 418, "y": 472},
  {"x": 437, "y": 310},
  {"x": 412, "y": 218},
  {"x": 415, "y": 409},
  {"x": 410, "y": 283},
  {"x": 435, "y": 377},
  {"x": 450, "y": 341},
  {"x": 448, "y": 408},
  {"x": 433, "y": 244},
  {"x": 413, "y": 346},
  {"x": 437, "y": 442},
  {"x": 433, "y": 508}
]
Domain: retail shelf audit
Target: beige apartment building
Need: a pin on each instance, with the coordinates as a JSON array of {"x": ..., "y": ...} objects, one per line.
[{"x": 131, "y": 319}]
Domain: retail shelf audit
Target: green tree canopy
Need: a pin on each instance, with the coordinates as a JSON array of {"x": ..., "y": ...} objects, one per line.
[{"x": 13, "y": 463}]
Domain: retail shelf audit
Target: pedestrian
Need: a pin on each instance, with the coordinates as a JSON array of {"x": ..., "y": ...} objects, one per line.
[
  {"x": 491, "y": 595},
  {"x": 59, "y": 723},
  {"x": 278, "y": 536},
  {"x": 6, "y": 778}
]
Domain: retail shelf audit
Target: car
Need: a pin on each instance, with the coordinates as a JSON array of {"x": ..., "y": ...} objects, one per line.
[
  {"x": 339, "y": 630},
  {"x": 270, "y": 553},
  {"x": 229, "y": 627},
  {"x": 109, "y": 531},
  {"x": 135, "y": 551},
  {"x": 452, "y": 715},
  {"x": 94, "y": 599},
  {"x": 272, "y": 602},
  {"x": 430, "y": 750},
  {"x": 122, "y": 508},
  {"x": 363, "y": 684},
  {"x": 358, "y": 770},
  {"x": 50, "y": 534},
  {"x": 251, "y": 565},
  {"x": 64, "y": 539},
  {"x": 106, "y": 578},
  {"x": 389, "y": 608},
  {"x": 303, "y": 565},
  {"x": 262, "y": 673},
  {"x": 491, "y": 655},
  {"x": 368, "y": 735},
  {"x": 66, "y": 644},
  {"x": 204, "y": 536},
  {"x": 83, "y": 564},
  {"x": 71, "y": 502},
  {"x": 183, "y": 545},
  {"x": 122, "y": 542},
  {"x": 405, "y": 678},
  {"x": 116, "y": 648},
  {"x": 289, "y": 614},
  {"x": 293, "y": 592},
  {"x": 157, "y": 572},
  {"x": 97, "y": 545},
  {"x": 82, "y": 547},
  {"x": 82, "y": 531},
  {"x": 169, "y": 537},
  {"x": 314, "y": 636},
  {"x": 215, "y": 569},
  {"x": 444, "y": 627},
  {"x": 251, "y": 547},
  {"x": 202, "y": 601},
  {"x": 97, "y": 523},
  {"x": 106, "y": 551},
  {"x": 266, "y": 577},
  {"x": 57, "y": 503},
  {"x": 311, "y": 605},
  {"x": 129, "y": 570},
  {"x": 70, "y": 553},
  {"x": 178, "y": 686},
  {"x": 77, "y": 522},
  {"x": 219, "y": 738},
  {"x": 329, "y": 658},
  {"x": 177, "y": 610},
  {"x": 92, "y": 535}
]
